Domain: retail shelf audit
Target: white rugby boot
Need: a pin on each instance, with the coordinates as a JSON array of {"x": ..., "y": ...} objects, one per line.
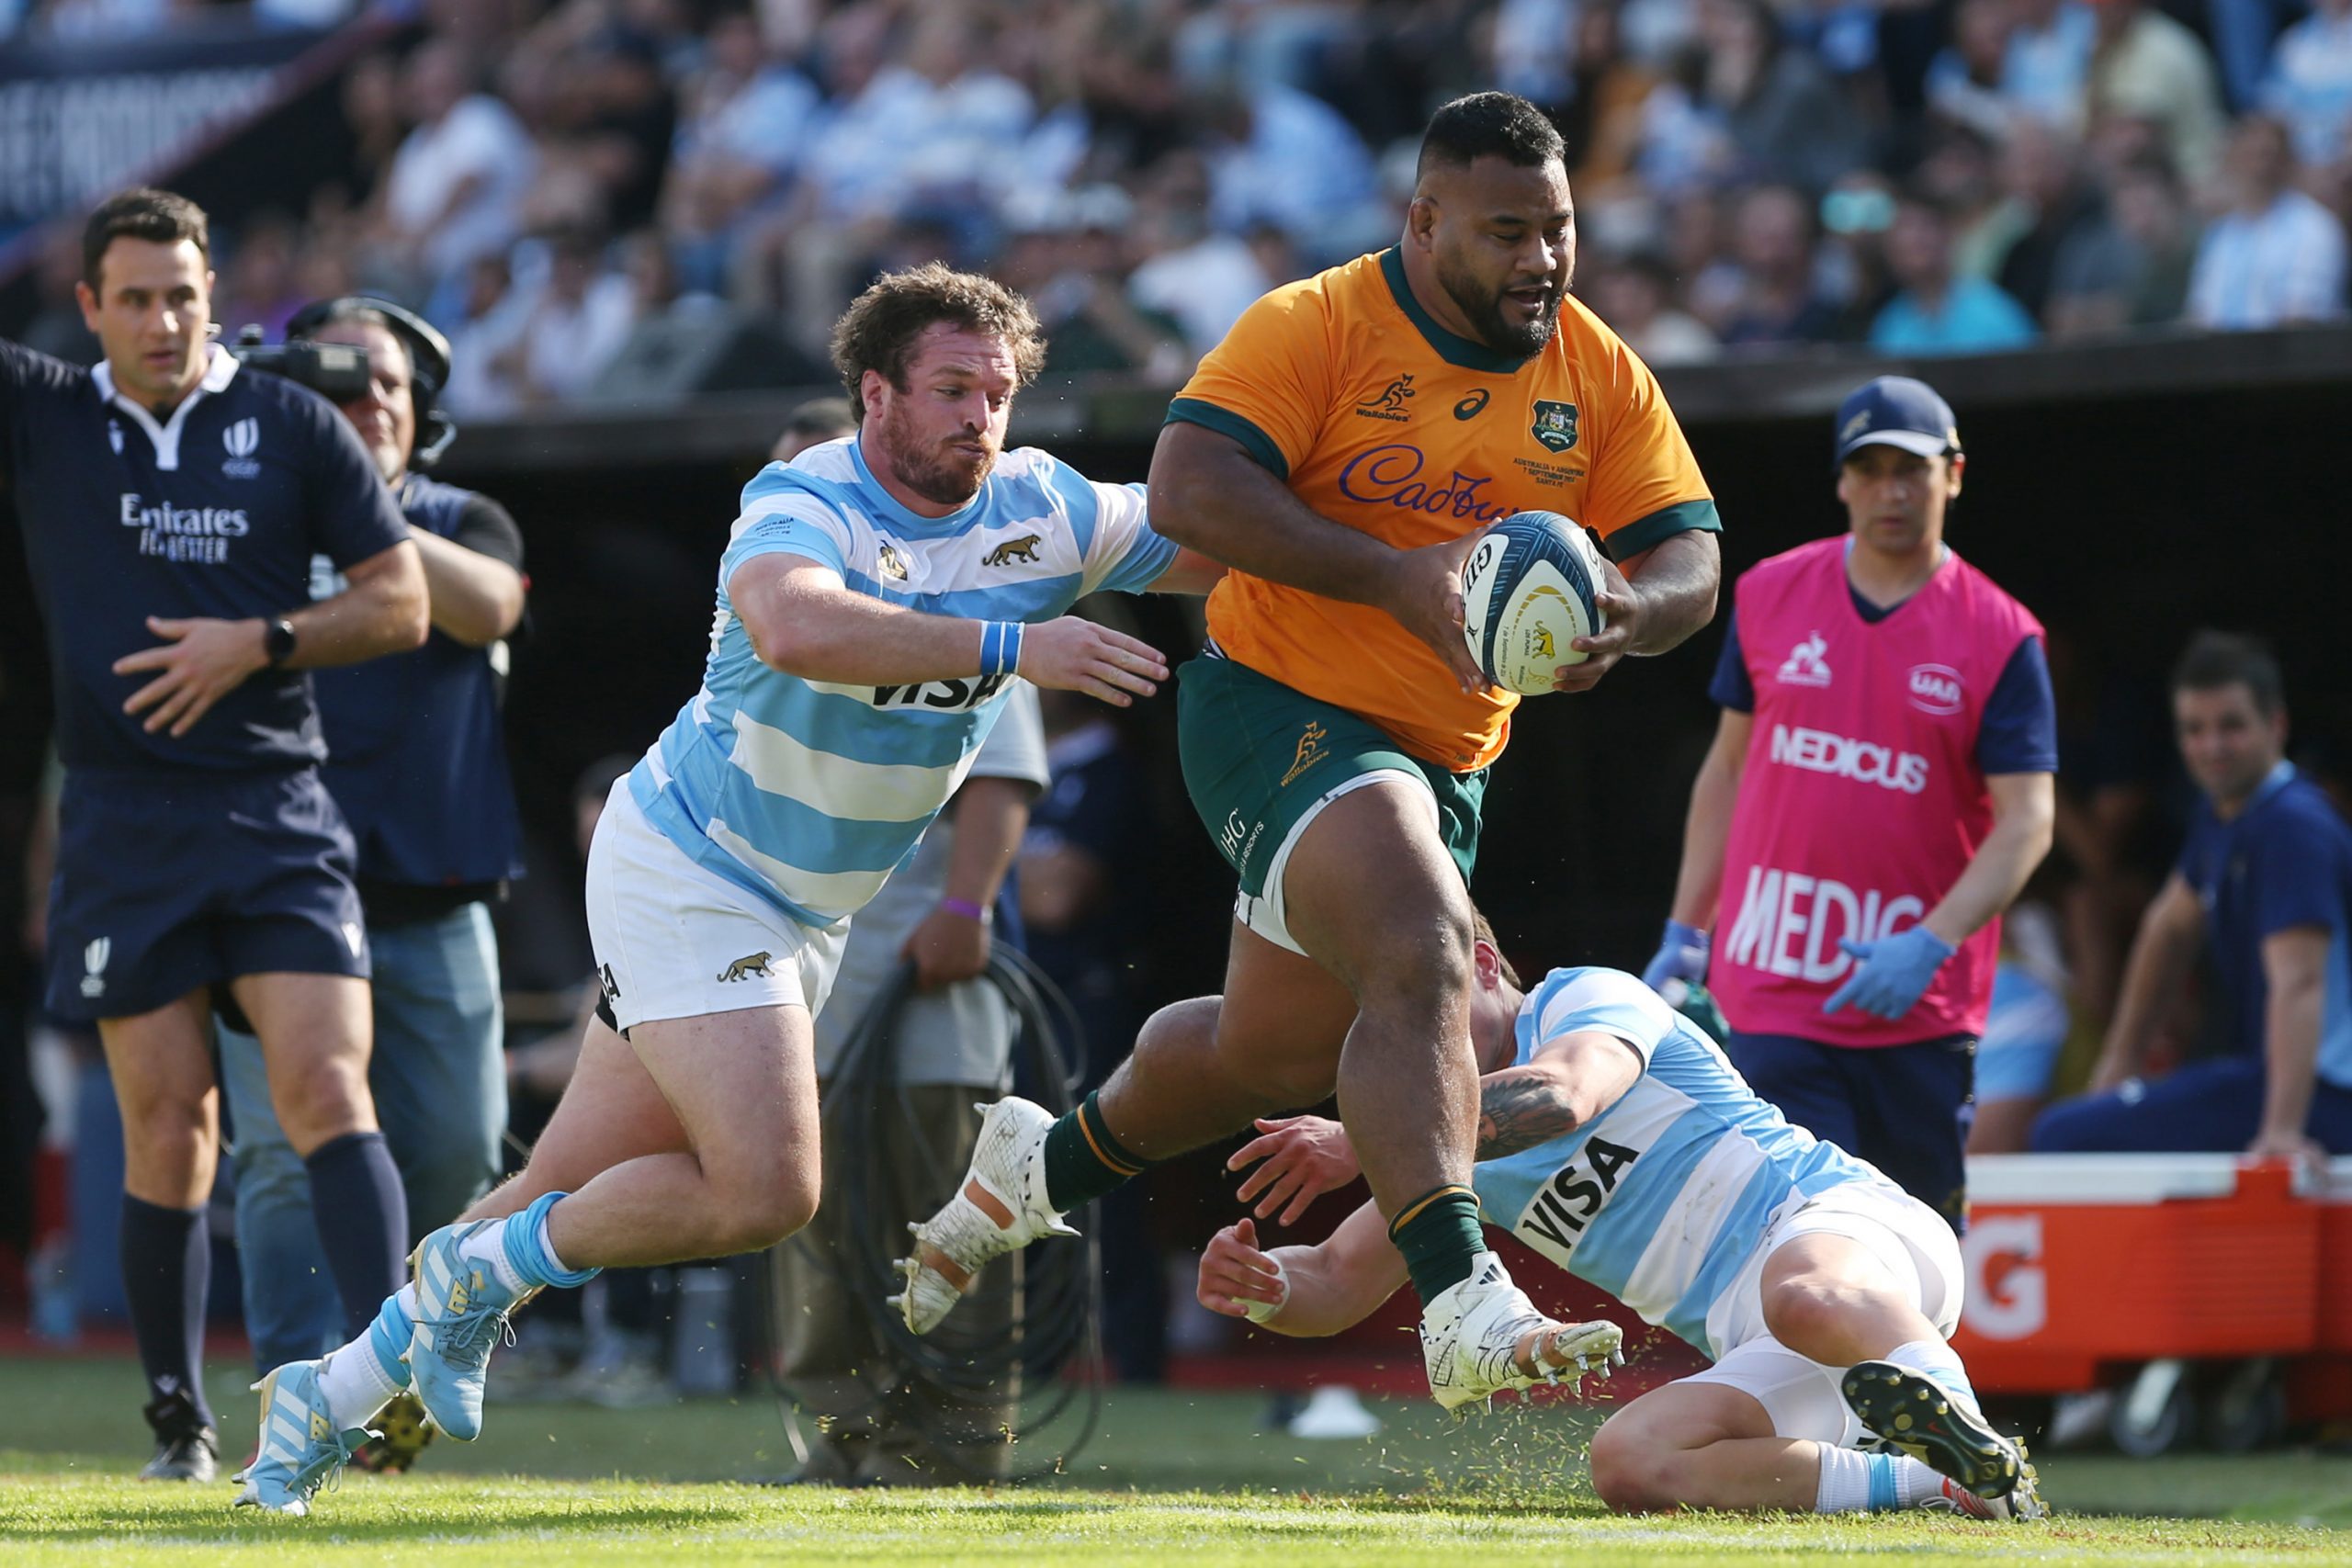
[
  {"x": 1473, "y": 1334},
  {"x": 2022, "y": 1505},
  {"x": 1908, "y": 1412},
  {"x": 1000, "y": 1207}
]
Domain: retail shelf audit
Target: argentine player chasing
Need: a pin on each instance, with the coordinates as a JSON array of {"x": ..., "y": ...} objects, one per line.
[
  {"x": 875, "y": 598},
  {"x": 1617, "y": 1141}
]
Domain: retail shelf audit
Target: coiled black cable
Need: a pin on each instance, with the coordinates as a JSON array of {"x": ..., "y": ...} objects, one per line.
[{"x": 1059, "y": 1320}]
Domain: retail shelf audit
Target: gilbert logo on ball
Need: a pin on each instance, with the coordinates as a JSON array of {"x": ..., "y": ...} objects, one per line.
[{"x": 1529, "y": 589}]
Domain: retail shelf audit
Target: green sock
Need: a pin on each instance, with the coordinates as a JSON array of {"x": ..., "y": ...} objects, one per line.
[
  {"x": 1439, "y": 1235},
  {"x": 1083, "y": 1161}
]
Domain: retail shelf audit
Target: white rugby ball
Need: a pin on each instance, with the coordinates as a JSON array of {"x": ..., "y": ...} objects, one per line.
[{"x": 1527, "y": 590}]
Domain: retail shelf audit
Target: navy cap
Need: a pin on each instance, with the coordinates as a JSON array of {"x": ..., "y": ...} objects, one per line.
[{"x": 1895, "y": 411}]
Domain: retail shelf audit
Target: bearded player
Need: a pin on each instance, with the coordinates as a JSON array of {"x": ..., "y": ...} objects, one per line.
[{"x": 1341, "y": 451}]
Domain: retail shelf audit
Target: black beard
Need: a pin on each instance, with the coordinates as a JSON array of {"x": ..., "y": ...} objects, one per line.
[{"x": 1485, "y": 312}]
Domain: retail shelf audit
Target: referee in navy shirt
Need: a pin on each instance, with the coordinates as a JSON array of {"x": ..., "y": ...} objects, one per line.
[
  {"x": 417, "y": 762},
  {"x": 171, "y": 503}
]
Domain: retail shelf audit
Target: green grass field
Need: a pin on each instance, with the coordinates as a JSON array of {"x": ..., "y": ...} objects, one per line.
[{"x": 1169, "y": 1473}]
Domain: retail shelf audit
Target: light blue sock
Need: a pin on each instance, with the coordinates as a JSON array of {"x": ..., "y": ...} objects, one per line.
[
  {"x": 389, "y": 1336},
  {"x": 530, "y": 1255}
]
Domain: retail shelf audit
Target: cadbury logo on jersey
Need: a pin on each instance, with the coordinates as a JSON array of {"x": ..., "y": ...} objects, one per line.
[{"x": 1390, "y": 476}]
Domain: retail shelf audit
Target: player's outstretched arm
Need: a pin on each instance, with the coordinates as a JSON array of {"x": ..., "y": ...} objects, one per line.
[
  {"x": 803, "y": 620},
  {"x": 1210, "y": 495},
  {"x": 1567, "y": 1083},
  {"x": 1304, "y": 1291}
]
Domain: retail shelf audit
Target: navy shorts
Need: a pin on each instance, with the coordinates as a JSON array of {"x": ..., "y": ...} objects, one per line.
[
  {"x": 167, "y": 882},
  {"x": 2213, "y": 1106},
  {"x": 1906, "y": 1108}
]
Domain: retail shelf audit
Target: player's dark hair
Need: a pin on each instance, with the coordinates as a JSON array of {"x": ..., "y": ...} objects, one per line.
[
  {"x": 821, "y": 419},
  {"x": 878, "y": 330},
  {"x": 1485, "y": 931},
  {"x": 2215, "y": 660},
  {"x": 1489, "y": 125},
  {"x": 143, "y": 212}
]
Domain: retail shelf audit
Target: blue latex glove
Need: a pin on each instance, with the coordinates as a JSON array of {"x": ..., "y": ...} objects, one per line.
[
  {"x": 1682, "y": 956},
  {"x": 1890, "y": 974}
]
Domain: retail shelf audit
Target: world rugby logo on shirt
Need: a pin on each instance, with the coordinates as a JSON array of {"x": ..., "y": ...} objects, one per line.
[{"x": 242, "y": 439}]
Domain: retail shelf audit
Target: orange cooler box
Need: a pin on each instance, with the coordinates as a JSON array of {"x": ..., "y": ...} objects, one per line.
[{"x": 2077, "y": 1262}]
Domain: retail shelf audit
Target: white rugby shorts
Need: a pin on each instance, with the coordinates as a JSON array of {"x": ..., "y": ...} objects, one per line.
[
  {"x": 1909, "y": 1239},
  {"x": 675, "y": 939},
  {"x": 1265, "y": 913}
]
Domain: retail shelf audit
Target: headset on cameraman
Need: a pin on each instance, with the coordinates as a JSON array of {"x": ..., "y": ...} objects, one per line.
[{"x": 340, "y": 377}]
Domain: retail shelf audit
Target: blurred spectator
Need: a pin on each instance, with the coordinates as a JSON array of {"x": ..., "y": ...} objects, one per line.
[
  {"x": 1858, "y": 214},
  {"x": 1772, "y": 241},
  {"x": 2025, "y": 1033},
  {"x": 2146, "y": 65},
  {"x": 576, "y": 323},
  {"x": 1783, "y": 117},
  {"x": 1201, "y": 279},
  {"x": 257, "y": 285},
  {"x": 57, "y": 327},
  {"x": 739, "y": 133},
  {"x": 2045, "y": 68},
  {"x": 371, "y": 110},
  {"x": 1966, "y": 79},
  {"x": 2132, "y": 269},
  {"x": 1938, "y": 310},
  {"x": 2309, "y": 86},
  {"x": 812, "y": 423},
  {"x": 460, "y": 174},
  {"x": 1278, "y": 155},
  {"x": 1635, "y": 296},
  {"x": 2276, "y": 256},
  {"x": 2049, "y": 202},
  {"x": 1601, "y": 120},
  {"x": 1071, "y": 262},
  {"x": 489, "y": 316},
  {"x": 1959, "y": 171}
]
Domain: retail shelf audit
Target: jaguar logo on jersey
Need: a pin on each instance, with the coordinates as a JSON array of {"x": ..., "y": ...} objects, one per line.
[
  {"x": 1310, "y": 750},
  {"x": 1389, "y": 403},
  {"x": 1472, "y": 406},
  {"x": 1024, "y": 549},
  {"x": 750, "y": 963},
  {"x": 242, "y": 439},
  {"x": 890, "y": 562},
  {"x": 1566, "y": 1204},
  {"x": 1555, "y": 425},
  {"x": 94, "y": 963},
  {"x": 1935, "y": 688}
]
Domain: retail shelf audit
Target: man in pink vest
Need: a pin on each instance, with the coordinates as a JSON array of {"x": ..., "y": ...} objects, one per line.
[{"x": 1879, "y": 789}]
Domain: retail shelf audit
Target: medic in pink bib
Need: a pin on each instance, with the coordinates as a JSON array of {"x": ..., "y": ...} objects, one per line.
[{"x": 1879, "y": 789}]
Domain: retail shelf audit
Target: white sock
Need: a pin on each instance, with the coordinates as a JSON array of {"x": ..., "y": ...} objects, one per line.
[
  {"x": 355, "y": 1385},
  {"x": 1856, "y": 1483},
  {"x": 1941, "y": 1361},
  {"x": 488, "y": 1245}
]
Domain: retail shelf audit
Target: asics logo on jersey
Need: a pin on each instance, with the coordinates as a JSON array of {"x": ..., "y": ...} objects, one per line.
[
  {"x": 1805, "y": 665},
  {"x": 1390, "y": 476},
  {"x": 952, "y": 696},
  {"x": 1472, "y": 406},
  {"x": 1566, "y": 1204},
  {"x": 1842, "y": 756},
  {"x": 1024, "y": 549},
  {"x": 748, "y": 966},
  {"x": 1555, "y": 425},
  {"x": 1789, "y": 923},
  {"x": 1389, "y": 404}
]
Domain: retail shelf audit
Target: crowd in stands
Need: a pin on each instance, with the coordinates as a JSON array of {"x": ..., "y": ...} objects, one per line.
[{"x": 1918, "y": 175}]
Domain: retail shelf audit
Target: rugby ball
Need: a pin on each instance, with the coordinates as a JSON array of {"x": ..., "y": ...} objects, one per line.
[{"x": 1530, "y": 587}]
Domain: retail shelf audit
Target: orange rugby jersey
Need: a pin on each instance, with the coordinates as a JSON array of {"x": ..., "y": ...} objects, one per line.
[{"x": 1382, "y": 420}]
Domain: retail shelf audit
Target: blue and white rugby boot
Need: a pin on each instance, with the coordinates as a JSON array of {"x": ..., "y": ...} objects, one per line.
[
  {"x": 462, "y": 1308},
  {"x": 301, "y": 1449}
]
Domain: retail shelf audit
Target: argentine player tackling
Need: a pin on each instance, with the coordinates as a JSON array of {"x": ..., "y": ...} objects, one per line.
[{"x": 875, "y": 600}]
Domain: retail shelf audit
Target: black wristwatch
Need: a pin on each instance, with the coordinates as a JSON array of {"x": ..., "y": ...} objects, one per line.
[{"x": 277, "y": 641}]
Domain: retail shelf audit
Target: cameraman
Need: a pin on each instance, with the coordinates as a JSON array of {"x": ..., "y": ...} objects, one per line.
[
  {"x": 418, "y": 762},
  {"x": 170, "y": 503}
]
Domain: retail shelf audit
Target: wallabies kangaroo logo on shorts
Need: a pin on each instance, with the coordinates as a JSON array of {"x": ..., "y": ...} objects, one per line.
[
  {"x": 1310, "y": 750},
  {"x": 1024, "y": 549},
  {"x": 748, "y": 966}
]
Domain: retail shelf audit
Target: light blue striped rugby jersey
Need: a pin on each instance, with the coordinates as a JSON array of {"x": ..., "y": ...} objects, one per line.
[
  {"x": 809, "y": 794},
  {"x": 1661, "y": 1199}
]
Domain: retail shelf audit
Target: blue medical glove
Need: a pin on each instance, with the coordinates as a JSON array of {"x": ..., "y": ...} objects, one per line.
[
  {"x": 1682, "y": 956},
  {"x": 1890, "y": 974}
]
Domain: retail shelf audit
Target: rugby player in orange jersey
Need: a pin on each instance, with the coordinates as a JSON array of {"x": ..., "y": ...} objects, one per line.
[{"x": 1341, "y": 451}]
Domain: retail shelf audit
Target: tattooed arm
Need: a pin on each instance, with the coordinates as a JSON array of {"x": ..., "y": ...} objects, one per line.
[{"x": 1570, "y": 1081}]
